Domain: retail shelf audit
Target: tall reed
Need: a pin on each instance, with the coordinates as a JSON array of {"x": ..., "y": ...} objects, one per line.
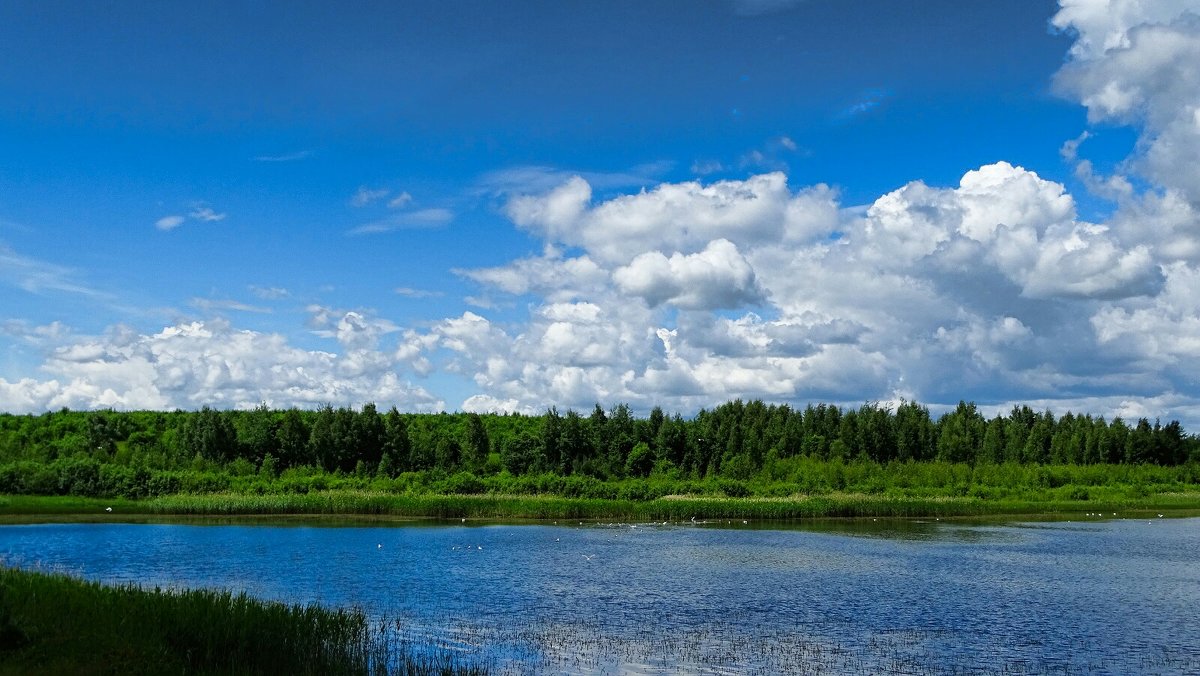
[{"x": 55, "y": 624}]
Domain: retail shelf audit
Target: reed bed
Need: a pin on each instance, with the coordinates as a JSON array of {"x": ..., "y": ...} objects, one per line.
[
  {"x": 55, "y": 624},
  {"x": 670, "y": 508}
]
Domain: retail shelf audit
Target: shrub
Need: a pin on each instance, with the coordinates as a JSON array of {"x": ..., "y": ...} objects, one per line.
[{"x": 463, "y": 483}]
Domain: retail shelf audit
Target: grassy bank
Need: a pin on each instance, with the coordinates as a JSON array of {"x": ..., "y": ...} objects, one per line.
[
  {"x": 54, "y": 624},
  {"x": 672, "y": 508},
  {"x": 805, "y": 488}
]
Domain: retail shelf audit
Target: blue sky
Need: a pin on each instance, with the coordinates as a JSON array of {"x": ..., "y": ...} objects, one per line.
[{"x": 504, "y": 206}]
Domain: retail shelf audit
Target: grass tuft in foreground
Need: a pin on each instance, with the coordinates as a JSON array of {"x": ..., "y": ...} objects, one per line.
[{"x": 55, "y": 624}]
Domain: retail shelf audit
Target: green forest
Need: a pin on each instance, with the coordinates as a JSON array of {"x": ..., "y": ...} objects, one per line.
[{"x": 737, "y": 449}]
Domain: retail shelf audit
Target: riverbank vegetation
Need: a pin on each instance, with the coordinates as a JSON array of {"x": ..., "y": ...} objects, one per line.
[
  {"x": 54, "y": 624},
  {"x": 774, "y": 460}
]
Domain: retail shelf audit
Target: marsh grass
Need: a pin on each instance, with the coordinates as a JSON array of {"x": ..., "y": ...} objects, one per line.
[
  {"x": 669, "y": 508},
  {"x": 55, "y": 624},
  {"x": 828, "y": 489}
]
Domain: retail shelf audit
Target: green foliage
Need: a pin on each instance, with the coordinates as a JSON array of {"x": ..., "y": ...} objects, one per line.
[
  {"x": 640, "y": 461},
  {"x": 609, "y": 454}
]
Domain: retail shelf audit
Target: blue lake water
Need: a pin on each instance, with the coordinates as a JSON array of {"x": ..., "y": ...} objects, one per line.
[{"x": 1114, "y": 596}]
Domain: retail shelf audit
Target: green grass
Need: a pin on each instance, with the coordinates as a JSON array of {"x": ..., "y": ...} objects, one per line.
[
  {"x": 673, "y": 508},
  {"x": 54, "y": 624},
  {"x": 66, "y": 505},
  {"x": 786, "y": 489}
]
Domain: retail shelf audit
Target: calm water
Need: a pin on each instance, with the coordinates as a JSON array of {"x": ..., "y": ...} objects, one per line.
[{"x": 1099, "y": 597}]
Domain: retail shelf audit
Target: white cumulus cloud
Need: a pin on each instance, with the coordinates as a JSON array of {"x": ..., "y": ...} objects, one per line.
[
  {"x": 715, "y": 278},
  {"x": 211, "y": 363}
]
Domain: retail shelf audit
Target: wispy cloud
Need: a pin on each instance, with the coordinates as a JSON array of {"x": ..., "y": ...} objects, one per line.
[
  {"x": 200, "y": 212},
  {"x": 757, "y": 7},
  {"x": 13, "y": 225},
  {"x": 38, "y": 277},
  {"x": 364, "y": 195},
  {"x": 169, "y": 222},
  {"x": 403, "y": 199},
  {"x": 539, "y": 178},
  {"x": 217, "y": 305},
  {"x": 205, "y": 214},
  {"x": 868, "y": 101},
  {"x": 269, "y": 292},
  {"x": 409, "y": 292},
  {"x": 287, "y": 157},
  {"x": 34, "y": 335},
  {"x": 771, "y": 155},
  {"x": 409, "y": 220},
  {"x": 482, "y": 302}
]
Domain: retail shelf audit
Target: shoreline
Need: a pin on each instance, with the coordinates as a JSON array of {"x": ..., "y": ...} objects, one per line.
[{"x": 369, "y": 507}]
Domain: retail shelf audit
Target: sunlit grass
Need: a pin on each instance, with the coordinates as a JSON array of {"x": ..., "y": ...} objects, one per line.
[
  {"x": 546, "y": 507},
  {"x": 787, "y": 489}
]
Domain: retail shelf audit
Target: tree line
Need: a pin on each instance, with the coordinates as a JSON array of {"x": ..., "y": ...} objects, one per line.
[{"x": 734, "y": 440}]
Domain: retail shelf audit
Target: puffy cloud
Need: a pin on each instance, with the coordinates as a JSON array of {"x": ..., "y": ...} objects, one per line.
[
  {"x": 993, "y": 289},
  {"x": 483, "y": 403},
  {"x": 717, "y": 277},
  {"x": 1084, "y": 262},
  {"x": 1138, "y": 62},
  {"x": 549, "y": 275},
  {"x": 907, "y": 225},
  {"x": 353, "y": 329},
  {"x": 575, "y": 334},
  {"x": 1000, "y": 195},
  {"x": 673, "y": 216},
  {"x": 207, "y": 363},
  {"x": 1165, "y": 222},
  {"x": 1009, "y": 218},
  {"x": 1163, "y": 332},
  {"x": 986, "y": 342},
  {"x": 553, "y": 213},
  {"x": 960, "y": 291}
]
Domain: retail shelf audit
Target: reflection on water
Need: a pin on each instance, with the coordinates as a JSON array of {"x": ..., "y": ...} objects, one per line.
[{"x": 863, "y": 596}]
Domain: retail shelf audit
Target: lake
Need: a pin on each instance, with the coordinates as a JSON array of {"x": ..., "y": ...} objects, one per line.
[{"x": 1089, "y": 596}]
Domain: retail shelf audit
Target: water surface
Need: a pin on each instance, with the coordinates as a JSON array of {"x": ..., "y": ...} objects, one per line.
[{"x": 1101, "y": 596}]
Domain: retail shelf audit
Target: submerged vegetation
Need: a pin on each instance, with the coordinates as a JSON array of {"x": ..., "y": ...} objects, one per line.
[{"x": 778, "y": 462}]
